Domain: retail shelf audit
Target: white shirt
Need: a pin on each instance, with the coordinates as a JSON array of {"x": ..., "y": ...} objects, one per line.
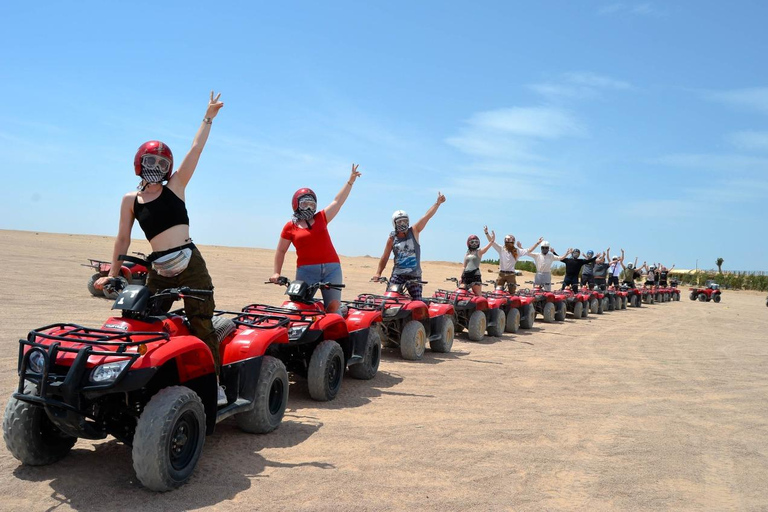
[
  {"x": 506, "y": 259},
  {"x": 543, "y": 261},
  {"x": 615, "y": 269}
]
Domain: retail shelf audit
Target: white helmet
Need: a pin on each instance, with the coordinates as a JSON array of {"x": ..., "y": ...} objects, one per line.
[
  {"x": 545, "y": 243},
  {"x": 399, "y": 215}
]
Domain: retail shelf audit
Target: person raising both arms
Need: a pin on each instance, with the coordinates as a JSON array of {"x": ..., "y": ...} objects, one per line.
[
  {"x": 471, "y": 276},
  {"x": 664, "y": 273},
  {"x": 572, "y": 267},
  {"x": 316, "y": 258},
  {"x": 404, "y": 242},
  {"x": 162, "y": 214},
  {"x": 543, "y": 262},
  {"x": 508, "y": 256},
  {"x": 600, "y": 270},
  {"x": 614, "y": 270}
]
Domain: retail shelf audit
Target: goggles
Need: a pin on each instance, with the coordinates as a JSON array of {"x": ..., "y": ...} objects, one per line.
[
  {"x": 154, "y": 162},
  {"x": 307, "y": 204},
  {"x": 402, "y": 222},
  {"x": 508, "y": 240}
]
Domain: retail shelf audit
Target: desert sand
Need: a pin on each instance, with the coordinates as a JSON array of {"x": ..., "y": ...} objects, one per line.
[{"x": 659, "y": 408}]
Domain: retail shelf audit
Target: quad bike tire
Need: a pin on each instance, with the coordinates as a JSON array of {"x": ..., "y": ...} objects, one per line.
[
  {"x": 30, "y": 435},
  {"x": 561, "y": 312},
  {"x": 617, "y": 301},
  {"x": 677, "y": 296},
  {"x": 548, "y": 314},
  {"x": 271, "y": 399},
  {"x": 111, "y": 293},
  {"x": 499, "y": 321},
  {"x": 693, "y": 296},
  {"x": 703, "y": 297},
  {"x": 528, "y": 317},
  {"x": 578, "y": 307},
  {"x": 659, "y": 298},
  {"x": 624, "y": 301},
  {"x": 444, "y": 344},
  {"x": 413, "y": 341},
  {"x": 603, "y": 305},
  {"x": 169, "y": 438},
  {"x": 325, "y": 371},
  {"x": 594, "y": 306},
  {"x": 367, "y": 368},
  {"x": 584, "y": 310},
  {"x": 91, "y": 288},
  {"x": 477, "y": 325},
  {"x": 513, "y": 320},
  {"x": 716, "y": 298},
  {"x": 634, "y": 301}
]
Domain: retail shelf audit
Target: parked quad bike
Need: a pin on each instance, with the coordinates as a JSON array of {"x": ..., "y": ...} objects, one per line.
[
  {"x": 132, "y": 271},
  {"x": 576, "y": 303},
  {"x": 409, "y": 323},
  {"x": 471, "y": 312},
  {"x": 634, "y": 296},
  {"x": 144, "y": 379},
  {"x": 598, "y": 301},
  {"x": 320, "y": 346},
  {"x": 710, "y": 293},
  {"x": 548, "y": 304},
  {"x": 518, "y": 309}
]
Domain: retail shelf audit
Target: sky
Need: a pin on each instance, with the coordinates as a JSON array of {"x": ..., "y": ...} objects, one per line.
[{"x": 594, "y": 124}]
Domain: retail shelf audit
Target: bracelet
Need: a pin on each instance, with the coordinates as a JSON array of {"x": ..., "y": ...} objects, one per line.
[
  {"x": 350, "y": 183},
  {"x": 208, "y": 120}
]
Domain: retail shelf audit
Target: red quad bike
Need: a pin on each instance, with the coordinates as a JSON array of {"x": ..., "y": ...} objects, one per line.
[
  {"x": 674, "y": 290},
  {"x": 518, "y": 309},
  {"x": 144, "y": 379},
  {"x": 612, "y": 300},
  {"x": 408, "y": 323},
  {"x": 598, "y": 302},
  {"x": 648, "y": 294},
  {"x": 575, "y": 303},
  {"x": 620, "y": 297},
  {"x": 471, "y": 312},
  {"x": 710, "y": 293},
  {"x": 318, "y": 345},
  {"x": 634, "y": 296},
  {"x": 132, "y": 270},
  {"x": 549, "y": 305}
]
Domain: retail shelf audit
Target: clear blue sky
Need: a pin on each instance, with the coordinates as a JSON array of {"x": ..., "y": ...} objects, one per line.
[{"x": 641, "y": 125}]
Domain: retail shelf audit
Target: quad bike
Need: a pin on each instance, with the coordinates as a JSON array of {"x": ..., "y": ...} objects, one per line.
[
  {"x": 576, "y": 303},
  {"x": 320, "y": 346},
  {"x": 674, "y": 290},
  {"x": 634, "y": 296},
  {"x": 598, "y": 302},
  {"x": 518, "y": 309},
  {"x": 408, "y": 323},
  {"x": 710, "y": 293},
  {"x": 132, "y": 271},
  {"x": 144, "y": 379},
  {"x": 471, "y": 312},
  {"x": 648, "y": 294},
  {"x": 620, "y": 297},
  {"x": 549, "y": 305}
]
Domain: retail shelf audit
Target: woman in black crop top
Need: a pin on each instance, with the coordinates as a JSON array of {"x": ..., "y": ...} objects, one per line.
[{"x": 162, "y": 215}]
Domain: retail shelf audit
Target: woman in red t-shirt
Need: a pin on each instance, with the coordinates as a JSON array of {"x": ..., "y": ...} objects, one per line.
[{"x": 317, "y": 260}]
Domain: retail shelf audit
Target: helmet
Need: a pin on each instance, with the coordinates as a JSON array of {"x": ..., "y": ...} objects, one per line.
[
  {"x": 157, "y": 148},
  {"x": 630, "y": 266},
  {"x": 576, "y": 253},
  {"x": 509, "y": 239},
  {"x": 473, "y": 242},
  {"x": 298, "y": 194},
  {"x": 653, "y": 268},
  {"x": 545, "y": 243},
  {"x": 399, "y": 215},
  {"x": 590, "y": 253}
]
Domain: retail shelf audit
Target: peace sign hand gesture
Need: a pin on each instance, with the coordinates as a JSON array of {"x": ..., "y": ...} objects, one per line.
[
  {"x": 214, "y": 105},
  {"x": 354, "y": 175}
]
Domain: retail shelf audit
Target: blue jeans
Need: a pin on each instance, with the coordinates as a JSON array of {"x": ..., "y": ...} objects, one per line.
[{"x": 322, "y": 273}]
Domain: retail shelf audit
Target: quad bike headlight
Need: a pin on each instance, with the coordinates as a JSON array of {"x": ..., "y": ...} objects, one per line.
[
  {"x": 392, "y": 311},
  {"x": 296, "y": 331},
  {"x": 36, "y": 361},
  {"x": 108, "y": 372}
]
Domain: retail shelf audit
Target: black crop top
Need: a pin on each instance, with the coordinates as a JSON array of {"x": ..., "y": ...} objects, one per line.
[{"x": 160, "y": 214}]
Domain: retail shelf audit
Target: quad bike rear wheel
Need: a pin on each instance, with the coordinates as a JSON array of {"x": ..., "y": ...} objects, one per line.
[
  {"x": 413, "y": 341},
  {"x": 169, "y": 438},
  {"x": 367, "y": 368},
  {"x": 617, "y": 301},
  {"x": 444, "y": 344},
  {"x": 635, "y": 301},
  {"x": 30, "y": 435},
  {"x": 604, "y": 305},
  {"x": 325, "y": 371},
  {"x": 91, "y": 288},
  {"x": 513, "y": 320},
  {"x": 528, "y": 316},
  {"x": 562, "y": 310},
  {"x": 584, "y": 310},
  {"x": 703, "y": 297},
  {"x": 548, "y": 313},
  {"x": 577, "y": 310},
  {"x": 716, "y": 297},
  {"x": 693, "y": 296},
  {"x": 477, "y": 326},
  {"x": 497, "y": 324},
  {"x": 271, "y": 399},
  {"x": 594, "y": 306}
]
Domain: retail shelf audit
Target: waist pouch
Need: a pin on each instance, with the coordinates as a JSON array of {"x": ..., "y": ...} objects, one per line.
[{"x": 173, "y": 264}]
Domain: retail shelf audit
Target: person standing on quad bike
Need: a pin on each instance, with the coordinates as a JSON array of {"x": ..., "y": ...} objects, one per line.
[
  {"x": 588, "y": 271},
  {"x": 572, "y": 267},
  {"x": 508, "y": 256},
  {"x": 316, "y": 258},
  {"x": 631, "y": 272},
  {"x": 651, "y": 277},
  {"x": 162, "y": 214},
  {"x": 404, "y": 242},
  {"x": 663, "y": 273},
  {"x": 600, "y": 270},
  {"x": 471, "y": 276},
  {"x": 614, "y": 270},
  {"x": 543, "y": 262}
]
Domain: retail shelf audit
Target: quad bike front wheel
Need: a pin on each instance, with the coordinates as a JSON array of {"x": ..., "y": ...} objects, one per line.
[
  {"x": 549, "y": 311},
  {"x": 367, "y": 368},
  {"x": 30, "y": 435},
  {"x": 594, "y": 306},
  {"x": 476, "y": 326},
  {"x": 413, "y": 341},
  {"x": 577, "y": 309},
  {"x": 444, "y": 344},
  {"x": 561, "y": 312},
  {"x": 584, "y": 310},
  {"x": 702, "y": 297},
  {"x": 270, "y": 401},
  {"x": 169, "y": 438},
  {"x": 693, "y": 296},
  {"x": 527, "y": 316},
  {"x": 513, "y": 320},
  {"x": 498, "y": 323},
  {"x": 716, "y": 297},
  {"x": 325, "y": 371}
]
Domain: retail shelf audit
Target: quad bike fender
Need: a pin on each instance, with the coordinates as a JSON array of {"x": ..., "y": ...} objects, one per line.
[
  {"x": 515, "y": 301},
  {"x": 437, "y": 309},
  {"x": 481, "y": 303},
  {"x": 193, "y": 357},
  {"x": 419, "y": 310},
  {"x": 361, "y": 319},
  {"x": 334, "y": 327},
  {"x": 249, "y": 343}
]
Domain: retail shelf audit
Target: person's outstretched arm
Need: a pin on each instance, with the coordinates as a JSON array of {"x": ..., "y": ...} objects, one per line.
[
  {"x": 422, "y": 223},
  {"x": 384, "y": 259},
  {"x": 482, "y": 251},
  {"x": 567, "y": 253},
  {"x": 492, "y": 239},
  {"x": 534, "y": 246},
  {"x": 332, "y": 209}
]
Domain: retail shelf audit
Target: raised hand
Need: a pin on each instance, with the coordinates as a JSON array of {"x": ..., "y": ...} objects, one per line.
[
  {"x": 354, "y": 174},
  {"x": 214, "y": 105},
  {"x": 440, "y": 198}
]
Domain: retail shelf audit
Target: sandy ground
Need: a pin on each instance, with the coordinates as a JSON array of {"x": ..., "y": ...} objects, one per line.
[{"x": 661, "y": 408}]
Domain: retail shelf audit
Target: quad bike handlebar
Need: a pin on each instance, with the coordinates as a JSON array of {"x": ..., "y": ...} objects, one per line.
[{"x": 323, "y": 285}]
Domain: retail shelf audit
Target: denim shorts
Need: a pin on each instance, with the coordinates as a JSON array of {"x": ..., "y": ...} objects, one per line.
[{"x": 322, "y": 272}]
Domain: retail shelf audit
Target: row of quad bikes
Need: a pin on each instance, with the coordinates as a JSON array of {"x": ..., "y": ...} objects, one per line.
[{"x": 144, "y": 379}]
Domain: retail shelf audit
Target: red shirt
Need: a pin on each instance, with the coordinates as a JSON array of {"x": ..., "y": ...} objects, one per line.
[{"x": 313, "y": 246}]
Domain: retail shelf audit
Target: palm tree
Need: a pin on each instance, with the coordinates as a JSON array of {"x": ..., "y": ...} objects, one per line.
[{"x": 720, "y": 265}]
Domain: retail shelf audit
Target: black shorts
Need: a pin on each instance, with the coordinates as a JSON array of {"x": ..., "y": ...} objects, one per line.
[
  {"x": 649, "y": 283},
  {"x": 587, "y": 279},
  {"x": 472, "y": 277}
]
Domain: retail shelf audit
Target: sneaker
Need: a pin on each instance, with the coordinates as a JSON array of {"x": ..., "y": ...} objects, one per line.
[{"x": 222, "y": 398}]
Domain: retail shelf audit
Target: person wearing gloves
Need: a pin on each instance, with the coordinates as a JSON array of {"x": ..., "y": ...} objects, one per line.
[
  {"x": 404, "y": 242},
  {"x": 543, "y": 261},
  {"x": 316, "y": 258},
  {"x": 508, "y": 256}
]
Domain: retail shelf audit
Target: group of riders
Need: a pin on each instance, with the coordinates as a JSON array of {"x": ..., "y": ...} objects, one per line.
[{"x": 159, "y": 206}]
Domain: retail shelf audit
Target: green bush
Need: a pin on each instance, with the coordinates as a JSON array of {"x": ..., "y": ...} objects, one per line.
[{"x": 727, "y": 280}]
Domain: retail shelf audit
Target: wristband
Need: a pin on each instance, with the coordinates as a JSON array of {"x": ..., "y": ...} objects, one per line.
[{"x": 208, "y": 120}]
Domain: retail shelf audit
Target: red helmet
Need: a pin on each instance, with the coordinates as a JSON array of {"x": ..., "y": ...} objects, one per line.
[
  {"x": 298, "y": 194},
  {"x": 471, "y": 239},
  {"x": 153, "y": 147}
]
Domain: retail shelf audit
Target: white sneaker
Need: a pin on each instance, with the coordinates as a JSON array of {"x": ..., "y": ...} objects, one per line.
[{"x": 222, "y": 398}]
